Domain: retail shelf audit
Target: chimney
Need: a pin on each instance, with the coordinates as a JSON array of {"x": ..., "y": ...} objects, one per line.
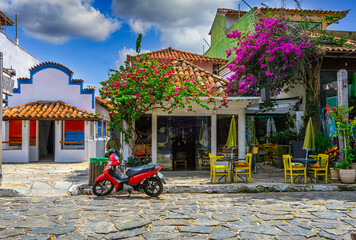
[{"x": 16, "y": 38}]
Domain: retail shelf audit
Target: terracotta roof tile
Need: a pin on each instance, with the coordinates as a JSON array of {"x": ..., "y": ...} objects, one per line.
[
  {"x": 47, "y": 110},
  {"x": 77, "y": 80},
  {"x": 173, "y": 54},
  {"x": 102, "y": 102},
  {"x": 349, "y": 47},
  {"x": 45, "y": 63},
  {"x": 203, "y": 76},
  {"x": 305, "y": 11}
]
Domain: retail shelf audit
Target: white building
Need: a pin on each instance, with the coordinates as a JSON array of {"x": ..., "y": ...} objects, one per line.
[
  {"x": 50, "y": 117},
  {"x": 14, "y": 55}
]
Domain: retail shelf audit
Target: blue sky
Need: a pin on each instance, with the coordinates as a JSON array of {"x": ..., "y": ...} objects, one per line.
[{"x": 92, "y": 36}]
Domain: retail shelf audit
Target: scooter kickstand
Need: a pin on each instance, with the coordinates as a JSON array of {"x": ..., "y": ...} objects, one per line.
[{"x": 130, "y": 191}]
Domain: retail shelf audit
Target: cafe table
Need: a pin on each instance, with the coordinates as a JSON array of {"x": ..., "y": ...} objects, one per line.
[
  {"x": 255, "y": 157},
  {"x": 230, "y": 164},
  {"x": 306, "y": 162}
]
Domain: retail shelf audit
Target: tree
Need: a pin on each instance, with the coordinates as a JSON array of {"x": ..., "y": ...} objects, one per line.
[{"x": 145, "y": 84}]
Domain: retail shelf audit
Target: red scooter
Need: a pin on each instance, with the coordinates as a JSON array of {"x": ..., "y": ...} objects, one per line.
[{"x": 146, "y": 177}]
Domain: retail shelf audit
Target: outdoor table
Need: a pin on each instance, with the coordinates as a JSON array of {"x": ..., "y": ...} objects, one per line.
[
  {"x": 230, "y": 162},
  {"x": 255, "y": 162},
  {"x": 306, "y": 162}
]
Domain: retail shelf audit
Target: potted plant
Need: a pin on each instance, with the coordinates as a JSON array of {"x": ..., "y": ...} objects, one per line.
[
  {"x": 344, "y": 129},
  {"x": 333, "y": 156}
]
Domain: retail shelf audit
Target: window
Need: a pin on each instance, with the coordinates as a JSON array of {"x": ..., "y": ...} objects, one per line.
[
  {"x": 102, "y": 128},
  {"x": 216, "y": 69},
  {"x": 33, "y": 132},
  {"x": 73, "y": 135},
  {"x": 223, "y": 124},
  {"x": 15, "y": 134}
]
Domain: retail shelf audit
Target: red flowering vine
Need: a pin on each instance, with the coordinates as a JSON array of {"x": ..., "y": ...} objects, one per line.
[{"x": 145, "y": 84}]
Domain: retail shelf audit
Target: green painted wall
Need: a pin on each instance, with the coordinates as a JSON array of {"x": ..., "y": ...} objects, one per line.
[{"x": 219, "y": 42}]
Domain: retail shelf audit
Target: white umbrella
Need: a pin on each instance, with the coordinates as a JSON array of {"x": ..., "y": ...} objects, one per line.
[{"x": 271, "y": 127}]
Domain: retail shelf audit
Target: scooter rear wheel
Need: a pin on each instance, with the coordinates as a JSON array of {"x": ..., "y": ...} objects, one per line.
[
  {"x": 103, "y": 187},
  {"x": 154, "y": 187}
]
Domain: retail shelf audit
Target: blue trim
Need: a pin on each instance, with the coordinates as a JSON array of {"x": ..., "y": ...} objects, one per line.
[
  {"x": 66, "y": 71},
  {"x": 7, "y": 98},
  {"x": 99, "y": 128}
]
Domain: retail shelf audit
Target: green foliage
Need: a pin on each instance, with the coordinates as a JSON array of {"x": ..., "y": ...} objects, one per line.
[
  {"x": 145, "y": 84},
  {"x": 344, "y": 130},
  {"x": 322, "y": 144},
  {"x": 326, "y": 38},
  {"x": 135, "y": 161}
]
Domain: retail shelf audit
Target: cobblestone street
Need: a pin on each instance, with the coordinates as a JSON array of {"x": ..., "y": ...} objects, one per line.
[{"x": 330, "y": 215}]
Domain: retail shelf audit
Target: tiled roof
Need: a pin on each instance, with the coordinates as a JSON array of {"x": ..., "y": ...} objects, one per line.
[
  {"x": 306, "y": 11},
  {"x": 203, "y": 76},
  {"x": 173, "y": 54},
  {"x": 45, "y": 63},
  {"x": 349, "y": 47},
  {"x": 77, "y": 80},
  {"x": 47, "y": 110},
  {"x": 5, "y": 19},
  {"x": 226, "y": 11},
  {"x": 340, "y": 14}
]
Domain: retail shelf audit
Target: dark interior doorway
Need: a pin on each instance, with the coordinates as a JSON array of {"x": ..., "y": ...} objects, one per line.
[
  {"x": 183, "y": 141},
  {"x": 46, "y": 146}
]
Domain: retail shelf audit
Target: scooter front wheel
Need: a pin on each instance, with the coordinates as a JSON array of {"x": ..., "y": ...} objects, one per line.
[
  {"x": 154, "y": 187},
  {"x": 103, "y": 187}
]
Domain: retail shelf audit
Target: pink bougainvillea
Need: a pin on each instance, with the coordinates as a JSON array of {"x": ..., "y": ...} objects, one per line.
[{"x": 264, "y": 58}]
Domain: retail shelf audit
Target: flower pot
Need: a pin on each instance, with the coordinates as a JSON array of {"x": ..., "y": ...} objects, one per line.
[
  {"x": 347, "y": 175},
  {"x": 334, "y": 174},
  {"x": 353, "y": 165}
]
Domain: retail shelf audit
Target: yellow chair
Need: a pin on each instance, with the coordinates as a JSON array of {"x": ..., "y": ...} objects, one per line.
[
  {"x": 320, "y": 169},
  {"x": 218, "y": 170},
  {"x": 246, "y": 166},
  {"x": 291, "y": 169}
]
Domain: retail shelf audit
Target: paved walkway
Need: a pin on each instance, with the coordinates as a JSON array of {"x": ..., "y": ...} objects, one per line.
[
  {"x": 282, "y": 216},
  {"x": 54, "y": 179}
]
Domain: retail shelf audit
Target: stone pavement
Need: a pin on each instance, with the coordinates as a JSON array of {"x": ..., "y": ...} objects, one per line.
[
  {"x": 42, "y": 178},
  {"x": 54, "y": 179},
  {"x": 307, "y": 215}
]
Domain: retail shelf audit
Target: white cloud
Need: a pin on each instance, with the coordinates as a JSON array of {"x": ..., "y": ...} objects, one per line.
[
  {"x": 57, "y": 21},
  {"x": 123, "y": 55},
  {"x": 183, "y": 23}
]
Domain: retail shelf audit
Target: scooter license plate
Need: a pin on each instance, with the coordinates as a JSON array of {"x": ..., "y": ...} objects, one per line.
[{"x": 160, "y": 175}]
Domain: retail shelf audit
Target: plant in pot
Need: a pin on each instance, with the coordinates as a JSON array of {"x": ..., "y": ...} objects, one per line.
[
  {"x": 333, "y": 157},
  {"x": 344, "y": 130}
]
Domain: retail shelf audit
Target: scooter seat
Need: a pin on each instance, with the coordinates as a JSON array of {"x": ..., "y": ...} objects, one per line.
[{"x": 141, "y": 169}]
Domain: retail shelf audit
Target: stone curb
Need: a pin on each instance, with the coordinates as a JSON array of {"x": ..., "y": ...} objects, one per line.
[
  {"x": 10, "y": 193},
  {"x": 248, "y": 188}
]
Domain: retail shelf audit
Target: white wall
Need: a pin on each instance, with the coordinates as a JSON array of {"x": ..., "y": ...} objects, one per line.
[
  {"x": 21, "y": 155},
  {"x": 102, "y": 111},
  {"x": 52, "y": 84},
  {"x": 69, "y": 155},
  {"x": 16, "y": 56}
]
